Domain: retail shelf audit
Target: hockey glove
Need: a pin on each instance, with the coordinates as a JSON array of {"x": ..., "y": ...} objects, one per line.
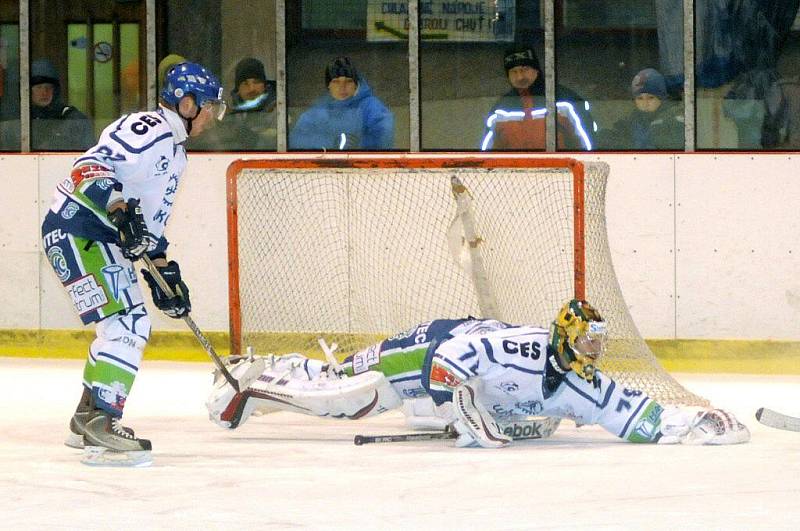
[
  {"x": 133, "y": 238},
  {"x": 177, "y": 306}
]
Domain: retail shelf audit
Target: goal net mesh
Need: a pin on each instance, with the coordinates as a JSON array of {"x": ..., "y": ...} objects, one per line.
[{"x": 353, "y": 254}]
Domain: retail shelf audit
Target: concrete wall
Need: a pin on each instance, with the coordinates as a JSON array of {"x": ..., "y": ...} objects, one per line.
[{"x": 704, "y": 245}]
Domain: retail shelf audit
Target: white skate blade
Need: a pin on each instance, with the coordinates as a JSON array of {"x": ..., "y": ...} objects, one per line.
[
  {"x": 102, "y": 456},
  {"x": 74, "y": 441}
]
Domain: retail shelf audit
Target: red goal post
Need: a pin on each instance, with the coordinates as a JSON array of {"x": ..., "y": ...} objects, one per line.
[{"x": 352, "y": 247}]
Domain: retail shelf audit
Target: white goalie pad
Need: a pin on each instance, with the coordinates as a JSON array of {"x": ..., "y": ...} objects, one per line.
[
  {"x": 353, "y": 397},
  {"x": 300, "y": 385}
]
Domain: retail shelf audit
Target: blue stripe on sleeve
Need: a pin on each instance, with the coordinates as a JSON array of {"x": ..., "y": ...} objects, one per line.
[{"x": 633, "y": 416}]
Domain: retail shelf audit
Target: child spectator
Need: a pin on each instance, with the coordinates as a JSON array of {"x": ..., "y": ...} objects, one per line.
[
  {"x": 55, "y": 126},
  {"x": 348, "y": 117},
  {"x": 655, "y": 123}
]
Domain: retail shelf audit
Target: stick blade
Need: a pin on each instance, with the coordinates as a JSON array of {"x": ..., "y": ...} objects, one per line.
[{"x": 773, "y": 419}]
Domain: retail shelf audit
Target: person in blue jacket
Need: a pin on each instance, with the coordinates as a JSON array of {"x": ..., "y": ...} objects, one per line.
[{"x": 348, "y": 117}]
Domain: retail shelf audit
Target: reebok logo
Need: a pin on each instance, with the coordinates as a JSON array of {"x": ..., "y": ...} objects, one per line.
[{"x": 527, "y": 431}]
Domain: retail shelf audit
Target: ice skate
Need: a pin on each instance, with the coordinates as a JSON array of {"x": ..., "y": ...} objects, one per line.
[
  {"x": 77, "y": 424},
  {"x": 108, "y": 443}
]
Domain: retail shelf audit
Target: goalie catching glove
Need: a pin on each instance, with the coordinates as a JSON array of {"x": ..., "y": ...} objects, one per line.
[
  {"x": 133, "y": 238},
  {"x": 177, "y": 306}
]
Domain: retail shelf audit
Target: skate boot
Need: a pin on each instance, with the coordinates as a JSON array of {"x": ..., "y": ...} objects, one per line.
[
  {"x": 77, "y": 424},
  {"x": 108, "y": 443}
]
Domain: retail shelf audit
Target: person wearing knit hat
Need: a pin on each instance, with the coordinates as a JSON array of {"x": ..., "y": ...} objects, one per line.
[
  {"x": 648, "y": 89},
  {"x": 347, "y": 117},
  {"x": 517, "y": 120},
  {"x": 54, "y": 125},
  {"x": 654, "y": 123},
  {"x": 251, "y": 123}
]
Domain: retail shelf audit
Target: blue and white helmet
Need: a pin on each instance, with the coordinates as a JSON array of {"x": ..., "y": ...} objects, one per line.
[{"x": 191, "y": 78}]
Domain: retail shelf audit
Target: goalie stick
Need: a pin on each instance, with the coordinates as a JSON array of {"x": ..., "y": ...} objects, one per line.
[
  {"x": 517, "y": 430},
  {"x": 192, "y": 326},
  {"x": 773, "y": 419}
]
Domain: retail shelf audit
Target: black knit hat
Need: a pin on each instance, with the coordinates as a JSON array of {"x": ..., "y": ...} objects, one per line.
[
  {"x": 250, "y": 68},
  {"x": 520, "y": 57},
  {"x": 340, "y": 67}
]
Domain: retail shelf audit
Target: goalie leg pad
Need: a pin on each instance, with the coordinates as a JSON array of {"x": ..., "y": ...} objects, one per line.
[
  {"x": 423, "y": 414},
  {"x": 353, "y": 397},
  {"x": 474, "y": 424},
  {"x": 226, "y": 407}
]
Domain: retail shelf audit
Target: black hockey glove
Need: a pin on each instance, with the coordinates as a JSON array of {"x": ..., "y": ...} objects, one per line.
[
  {"x": 177, "y": 306},
  {"x": 133, "y": 238}
]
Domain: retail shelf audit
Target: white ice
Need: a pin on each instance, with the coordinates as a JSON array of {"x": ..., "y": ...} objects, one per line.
[{"x": 285, "y": 471}]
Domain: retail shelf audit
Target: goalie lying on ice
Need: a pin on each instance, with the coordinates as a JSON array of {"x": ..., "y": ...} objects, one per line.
[{"x": 479, "y": 372}]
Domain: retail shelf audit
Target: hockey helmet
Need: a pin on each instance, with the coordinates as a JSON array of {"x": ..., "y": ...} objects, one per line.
[
  {"x": 578, "y": 336},
  {"x": 193, "y": 79}
]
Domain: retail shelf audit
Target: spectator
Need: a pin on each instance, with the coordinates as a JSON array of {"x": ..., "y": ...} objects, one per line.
[
  {"x": 517, "y": 121},
  {"x": 348, "y": 117},
  {"x": 55, "y": 126},
  {"x": 252, "y": 124},
  {"x": 655, "y": 123}
]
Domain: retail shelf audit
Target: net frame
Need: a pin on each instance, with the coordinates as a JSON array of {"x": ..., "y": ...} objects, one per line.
[{"x": 635, "y": 356}]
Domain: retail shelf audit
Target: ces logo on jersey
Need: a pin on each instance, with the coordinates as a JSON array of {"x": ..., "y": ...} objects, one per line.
[{"x": 526, "y": 349}]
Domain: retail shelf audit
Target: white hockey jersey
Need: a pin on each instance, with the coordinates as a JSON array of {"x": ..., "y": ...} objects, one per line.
[{"x": 146, "y": 153}]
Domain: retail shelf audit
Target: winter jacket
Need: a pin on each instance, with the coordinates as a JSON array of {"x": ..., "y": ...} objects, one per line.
[
  {"x": 247, "y": 125},
  {"x": 57, "y": 127},
  {"x": 359, "y": 122},
  {"x": 662, "y": 129},
  {"x": 517, "y": 121}
]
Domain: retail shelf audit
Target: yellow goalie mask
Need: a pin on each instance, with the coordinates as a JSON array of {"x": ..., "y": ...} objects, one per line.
[{"x": 578, "y": 336}]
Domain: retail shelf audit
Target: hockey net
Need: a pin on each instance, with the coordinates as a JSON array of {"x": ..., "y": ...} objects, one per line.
[{"x": 353, "y": 248}]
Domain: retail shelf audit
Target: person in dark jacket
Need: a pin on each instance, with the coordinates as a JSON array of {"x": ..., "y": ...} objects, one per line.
[
  {"x": 348, "y": 117},
  {"x": 655, "y": 123},
  {"x": 517, "y": 121},
  {"x": 54, "y": 125}
]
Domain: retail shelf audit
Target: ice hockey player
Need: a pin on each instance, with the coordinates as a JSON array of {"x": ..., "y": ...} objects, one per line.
[
  {"x": 479, "y": 373},
  {"x": 110, "y": 211}
]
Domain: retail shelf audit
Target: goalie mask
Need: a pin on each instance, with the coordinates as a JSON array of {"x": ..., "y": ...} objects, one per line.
[{"x": 578, "y": 337}]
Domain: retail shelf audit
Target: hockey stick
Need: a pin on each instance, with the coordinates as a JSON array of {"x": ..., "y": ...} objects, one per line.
[
  {"x": 773, "y": 419},
  {"x": 192, "y": 326},
  {"x": 359, "y": 440},
  {"x": 517, "y": 430}
]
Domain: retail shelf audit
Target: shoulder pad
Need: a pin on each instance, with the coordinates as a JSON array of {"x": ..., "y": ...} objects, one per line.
[{"x": 139, "y": 131}]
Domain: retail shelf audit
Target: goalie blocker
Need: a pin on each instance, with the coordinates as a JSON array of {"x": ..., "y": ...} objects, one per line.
[{"x": 478, "y": 373}]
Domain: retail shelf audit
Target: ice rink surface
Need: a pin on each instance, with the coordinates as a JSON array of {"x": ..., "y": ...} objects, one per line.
[{"x": 286, "y": 471}]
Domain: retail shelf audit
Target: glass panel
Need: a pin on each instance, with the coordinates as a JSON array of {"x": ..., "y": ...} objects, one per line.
[
  {"x": 105, "y": 110},
  {"x": 347, "y": 75},
  {"x": 468, "y": 101},
  {"x": 748, "y": 92},
  {"x": 238, "y": 45},
  {"x": 77, "y": 62},
  {"x": 129, "y": 79},
  {"x": 620, "y": 66},
  {"x": 9, "y": 87}
]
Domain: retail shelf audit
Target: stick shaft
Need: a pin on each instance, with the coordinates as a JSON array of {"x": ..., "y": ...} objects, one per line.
[
  {"x": 359, "y": 440},
  {"x": 201, "y": 338}
]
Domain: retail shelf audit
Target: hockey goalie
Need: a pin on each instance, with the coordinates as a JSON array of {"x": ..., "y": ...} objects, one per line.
[{"x": 477, "y": 375}]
